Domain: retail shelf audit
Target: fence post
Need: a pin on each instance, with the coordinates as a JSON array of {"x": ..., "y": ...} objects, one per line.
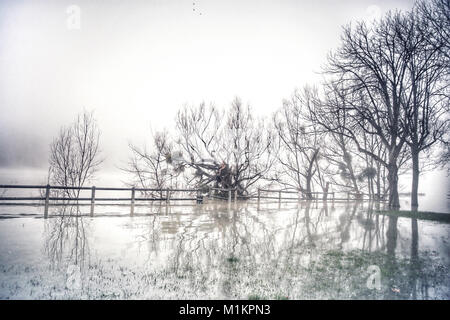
[
  {"x": 229, "y": 195},
  {"x": 92, "y": 200},
  {"x": 132, "y": 201},
  {"x": 235, "y": 194},
  {"x": 259, "y": 195},
  {"x": 279, "y": 196},
  {"x": 199, "y": 196},
  {"x": 47, "y": 196},
  {"x": 167, "y": 195}
]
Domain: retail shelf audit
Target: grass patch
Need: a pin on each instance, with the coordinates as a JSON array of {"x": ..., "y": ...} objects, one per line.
[
  {"x": 281, "y": 297},
  {"x": 232, "y": 259},
  {"x": 421, "y": 215}
]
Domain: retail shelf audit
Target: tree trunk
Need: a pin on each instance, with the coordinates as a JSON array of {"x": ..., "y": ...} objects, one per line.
[
  {"x": 348, "y": 163},
  {"x": 372, "y": 189},
  {"x": 310, "y": 173},
  {"x": 393, "y": 184},
  {"x": 308, "y": 187},
  {"x": 415, "y": 178},
  {"x": 378, "y": 182},
  {"x": 325, "y": 191}
]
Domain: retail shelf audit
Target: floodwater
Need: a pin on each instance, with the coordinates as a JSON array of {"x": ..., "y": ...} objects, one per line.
[{"x": 219, "y": 251}]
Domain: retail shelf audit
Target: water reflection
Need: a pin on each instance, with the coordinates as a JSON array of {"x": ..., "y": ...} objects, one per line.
[
  {"x": 214, "y": 250},
  {"x": 66, "y": 238}
]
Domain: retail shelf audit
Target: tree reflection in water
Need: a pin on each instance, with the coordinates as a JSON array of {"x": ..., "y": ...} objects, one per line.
[
  {"x": 216, "y": 250},
  {"x": 66, "y": 239}
]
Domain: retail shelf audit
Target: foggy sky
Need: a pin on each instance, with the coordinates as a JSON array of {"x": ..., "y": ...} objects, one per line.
[{"x": 136, "y": 62}]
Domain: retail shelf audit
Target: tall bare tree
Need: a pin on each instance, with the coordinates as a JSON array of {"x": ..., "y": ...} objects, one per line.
[
  {"x": 75, "y": 154},
  {"x": 370, "y": 67},
  {"x": 426, "y": 97},
  {"x": 437, "y": 16},
  {"x": 300, "y": 142},
  {"x": 340, "y": 150}
]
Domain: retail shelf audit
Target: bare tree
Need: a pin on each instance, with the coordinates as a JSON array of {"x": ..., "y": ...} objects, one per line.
[
  {"x": 341, "y": 163},
  {"x": 444, "y": 156},
  {"x": 341, "y": 150},
  {"x": 230, "y": 150},
  {"x": 370, "y": 69},
  {"x": 425, "y": 98},
  {"x": 437, "y": 16},
  {"x": 75, "y": 154},
  {"x": 299, "y": 141},
  {"x": 316, "y": 158},
  {"x": 155, "y": 168}
]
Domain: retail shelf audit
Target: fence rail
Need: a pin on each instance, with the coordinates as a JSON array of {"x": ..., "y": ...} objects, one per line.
[
  {"x": 166, "y": 195},
  {"x": 93, "y": 199},
  {"x": 18, "y": 186}
]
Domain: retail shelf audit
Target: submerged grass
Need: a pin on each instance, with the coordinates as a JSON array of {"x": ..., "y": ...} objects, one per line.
[
  {"x": 343, "y": 275},
  {"x": 232, "y": 259},
  {"x": 255, "y": 297}
]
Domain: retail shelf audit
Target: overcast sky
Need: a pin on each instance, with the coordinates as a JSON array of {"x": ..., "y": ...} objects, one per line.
[{"x": 136, "y": 62}]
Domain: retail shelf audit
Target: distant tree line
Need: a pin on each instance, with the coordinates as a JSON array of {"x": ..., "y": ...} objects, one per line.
[{"x": 382, "y": 110}]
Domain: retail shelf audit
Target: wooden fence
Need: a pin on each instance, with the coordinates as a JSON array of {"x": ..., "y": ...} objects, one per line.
[
  {"x": 132, "y": 199},
  {"x": 300, "y": 195},
  {"x": 167, "y": 195}
]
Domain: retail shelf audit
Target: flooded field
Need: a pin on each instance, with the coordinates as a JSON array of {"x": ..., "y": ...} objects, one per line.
[{"x": 220, "y": 251}]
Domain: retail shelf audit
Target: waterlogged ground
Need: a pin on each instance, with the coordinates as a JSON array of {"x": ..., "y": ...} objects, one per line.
[{"x": 216, "y": 251}]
